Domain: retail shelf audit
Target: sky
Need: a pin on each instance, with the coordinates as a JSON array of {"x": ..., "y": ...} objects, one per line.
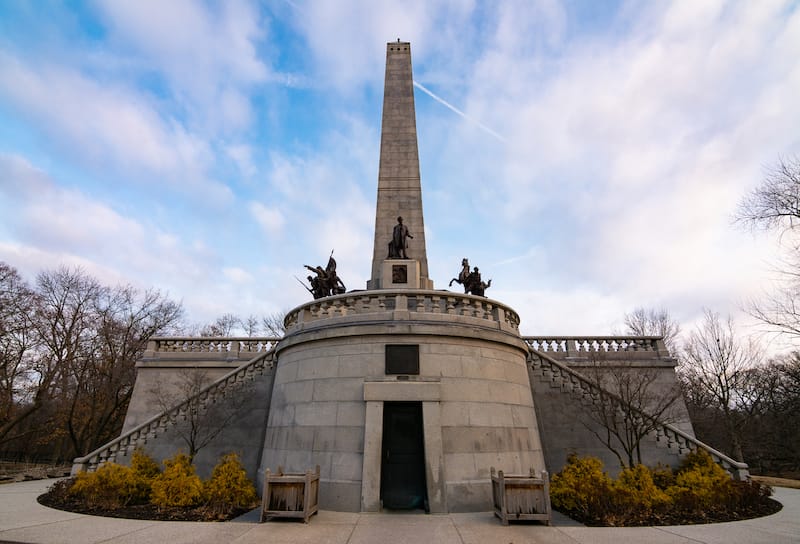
[{"x": 587, "y": 156}]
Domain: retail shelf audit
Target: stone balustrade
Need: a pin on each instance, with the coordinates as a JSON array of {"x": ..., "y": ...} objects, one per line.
[
  {"x": 399, "y": 305},
  {"x": 158, "y": 424},
  {"x": 562, "y": 347},
  {"x": 589, "y": 393},
  {"x": 210, "y": 344}
]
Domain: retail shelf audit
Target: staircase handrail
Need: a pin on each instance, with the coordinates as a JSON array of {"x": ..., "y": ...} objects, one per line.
[
  {"x": 738, "y": 469},
  {"x": 171, "y": 413}
]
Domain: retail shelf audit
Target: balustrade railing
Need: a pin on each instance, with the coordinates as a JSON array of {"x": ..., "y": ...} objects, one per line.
[
  {"x": 418, "y": 303},
  {"x": 583, "y": 346},
  {"x": 665, "y": 434},
  {"x": 210, "y": 344},
  {"x": 159, "y": 423}
]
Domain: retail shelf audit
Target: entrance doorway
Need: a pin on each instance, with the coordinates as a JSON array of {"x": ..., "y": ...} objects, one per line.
[{"x": 403, "y": 457}]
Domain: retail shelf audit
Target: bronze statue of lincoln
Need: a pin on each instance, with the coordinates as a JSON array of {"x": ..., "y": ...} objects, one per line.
[{"x": 398, "y": 245}]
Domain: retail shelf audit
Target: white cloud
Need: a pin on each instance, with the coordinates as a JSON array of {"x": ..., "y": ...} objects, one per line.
[
  {"x": 242, "y": 155},
  {"x": 270, "y": 219},
  {"x": 237, "y": 275},
  {"x": 627, "y": 148},
  {"x": 348, "y": 37},
  {"x": 106, "y": 124},
  {"x": 208, "y": 54},
  {"x": 628, "y": 155}
]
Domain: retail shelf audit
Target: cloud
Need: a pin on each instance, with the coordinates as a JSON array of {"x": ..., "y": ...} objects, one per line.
[
  {"x": 627, "y": 152},
  {"x": 345, "y": 60},
  {"x": 207, "y": 54},
  {"x": 628, "y": 138},
  {"x": 237, "y": 275},
  {"x": 110, "y": 125},
  {"x": 53, "y": 225},
  {"x": 271, "y": 220}
]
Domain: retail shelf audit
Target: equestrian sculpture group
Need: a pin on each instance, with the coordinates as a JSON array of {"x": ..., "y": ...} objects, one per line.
[{"x": 472, "y": 282}]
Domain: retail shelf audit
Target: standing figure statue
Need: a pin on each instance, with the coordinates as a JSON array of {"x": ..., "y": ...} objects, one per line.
[
  {"x": 463, "y": 275},
  {"x": 475, "y": 285},
  {"x": 399, "y": 243},
  {"x": 326, "y": 282}
]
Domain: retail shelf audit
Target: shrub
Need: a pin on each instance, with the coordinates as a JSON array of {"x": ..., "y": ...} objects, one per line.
[
  {"x": 636, "y": 497},
  {"x": 700, "y": 483},
  {"x": 143, "y": 465},
  {"x": 582, "y": 487},
  {"x": 748, "y": 496},
  {"x": 111, "y": 486},
  {"x": 229, "y": 487},
  {"x": 178, "y": 485},
  {"x": 663, "y": 476}
]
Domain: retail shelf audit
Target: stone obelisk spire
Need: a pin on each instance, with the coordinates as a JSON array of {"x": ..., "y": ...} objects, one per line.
[{"x": 399, "y": 187}]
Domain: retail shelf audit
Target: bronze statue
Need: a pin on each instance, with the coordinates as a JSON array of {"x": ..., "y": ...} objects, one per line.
[
  {"x": 398, "y": 245},
  {"x": 326, "y": 282},
  {"x": 475, "y": 284},
  {"x": 472, "y": 282},
  {"x": 463, "y": 275}
]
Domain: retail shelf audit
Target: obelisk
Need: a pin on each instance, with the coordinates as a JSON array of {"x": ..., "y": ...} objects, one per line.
[{"x": 399, "y": 185}]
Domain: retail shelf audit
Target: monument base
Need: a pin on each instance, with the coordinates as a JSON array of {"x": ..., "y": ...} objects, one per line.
[{"x": 400, "y": 274}]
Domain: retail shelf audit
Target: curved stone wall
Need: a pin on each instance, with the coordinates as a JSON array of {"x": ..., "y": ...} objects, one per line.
[{"x": 330, "y": 386}]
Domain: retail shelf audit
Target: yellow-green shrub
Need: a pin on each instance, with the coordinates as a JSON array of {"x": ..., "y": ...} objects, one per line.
[
  {"x": 663, "y": 476},
  {"x": 581, "y": 487},
  {"x": 110, "y": 486},
  {"x": 700, "y": 483},
  {"x": 178, "y": 485},
  {"x": 635, "y": 496},
  {"x": 229, "y": 487},
  {"x": 143, "y": 465}
]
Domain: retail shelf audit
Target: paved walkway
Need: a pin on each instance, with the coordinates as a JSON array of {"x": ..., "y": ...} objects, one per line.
[{"x": 22, "y": 519}]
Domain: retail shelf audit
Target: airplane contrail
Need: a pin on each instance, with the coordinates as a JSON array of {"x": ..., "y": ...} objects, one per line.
[{"x": 446, "y": 104}]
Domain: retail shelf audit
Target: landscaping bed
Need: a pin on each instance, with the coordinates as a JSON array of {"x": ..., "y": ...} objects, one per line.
[
  {"x": 144, "y": 491},
  {"x": 699, "y": 491}
]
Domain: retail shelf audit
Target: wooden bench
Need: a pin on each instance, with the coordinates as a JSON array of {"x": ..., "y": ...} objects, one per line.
[
  {"x": 290, "y": 494},
  {"x": 519, "y": 497}
]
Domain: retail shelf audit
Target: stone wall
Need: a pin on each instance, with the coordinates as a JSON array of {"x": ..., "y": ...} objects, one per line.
[
  {"x": 331, "y": 383},
  {"x": 565, "y": 405},
  {"x": 242, "y": 405}
]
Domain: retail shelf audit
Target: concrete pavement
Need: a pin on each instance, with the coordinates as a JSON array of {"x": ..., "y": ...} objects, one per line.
[{"x": 22, "y": 519}]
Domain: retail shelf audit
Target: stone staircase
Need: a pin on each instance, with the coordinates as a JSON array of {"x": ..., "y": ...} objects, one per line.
[
  {"x": 588, "y": 393},
  {"x": 160, "y": 423}
]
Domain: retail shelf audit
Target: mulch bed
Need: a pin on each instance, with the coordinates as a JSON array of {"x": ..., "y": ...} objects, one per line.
[
  {"x": 766, "y": 508},
  {"x": 57, "y": 498}
]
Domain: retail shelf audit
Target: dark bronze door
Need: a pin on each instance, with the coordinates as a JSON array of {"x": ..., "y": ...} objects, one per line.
[{"x": 403, "y": 457}]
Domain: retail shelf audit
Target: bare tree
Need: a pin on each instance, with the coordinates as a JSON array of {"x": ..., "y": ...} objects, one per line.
[
  {"x": 104, "y": 376},
  {"x": 23, "y": 391},
  {"x": 68, "y": 348},
  {"x": 250, "y": 325},
  {"x": 775, "y": 205},
  {"x": 654, "y": 322},
  {"x": 224, "y": 325},
  {"x": 632, "y": 404},
  {"x": 273, "y": 324},
  {"x": 202, "y": 420},
  {"x": 716, "y": 362}
]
